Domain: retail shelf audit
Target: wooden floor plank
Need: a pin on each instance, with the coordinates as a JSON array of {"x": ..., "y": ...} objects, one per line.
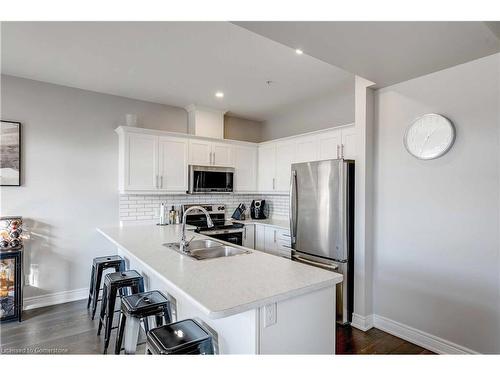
[
  {"x": 375, "y": 341},
  {"x": 68, "y": 329}
]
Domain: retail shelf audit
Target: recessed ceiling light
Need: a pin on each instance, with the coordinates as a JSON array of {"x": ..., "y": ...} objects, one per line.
[
  {"x": 298, "y": 51},
  {"x": 219, "y": 94}
]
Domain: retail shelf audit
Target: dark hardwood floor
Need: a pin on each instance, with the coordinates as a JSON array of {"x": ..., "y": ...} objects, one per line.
[
  {"x": 67, "y": 329},
  {"x": 354, "y": 341}
]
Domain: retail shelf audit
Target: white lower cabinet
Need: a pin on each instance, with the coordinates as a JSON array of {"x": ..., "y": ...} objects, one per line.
[
  {"x": 249, "y": 236},
  {"x": 259, "y": 237},
  {"x": 273, "y": 240}
]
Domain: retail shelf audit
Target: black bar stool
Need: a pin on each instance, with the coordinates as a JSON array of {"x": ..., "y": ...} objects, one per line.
[
  {"x": 114, "y": 283},
  {"x": 139, "y": 307},
  {"x": 182, "y": 337},
  {"x": 98, "y": 266}
]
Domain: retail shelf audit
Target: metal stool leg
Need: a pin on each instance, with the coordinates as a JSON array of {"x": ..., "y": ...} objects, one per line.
[
  {"x": 103, "y": 308},
  {"x": 96, "y": 290},
  {"x": 91, "y": 288},
  {"x": 119, "y": 335},
  {"x": 132, "y": 327},
  {"x": 166, "y": 315},
  {"x": 159, "y": 320},
  {"x": 110, "y": 312}
]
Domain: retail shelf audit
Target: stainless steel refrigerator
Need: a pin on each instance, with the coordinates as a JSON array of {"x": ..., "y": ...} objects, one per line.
[{"x": 322, "y": 222}]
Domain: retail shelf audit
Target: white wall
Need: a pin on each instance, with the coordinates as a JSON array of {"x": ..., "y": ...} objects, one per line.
[
  {"x": 436, "y": 233},
  {"x": 325, "y": 111},
  {"x": 70, "y": 157}
]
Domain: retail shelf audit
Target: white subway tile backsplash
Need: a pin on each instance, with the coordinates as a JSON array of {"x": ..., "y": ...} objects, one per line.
[{"x": 146, "y": 207}]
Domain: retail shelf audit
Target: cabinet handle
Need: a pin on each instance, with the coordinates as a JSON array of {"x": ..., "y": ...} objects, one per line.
[
  {"x": 274, "y": 184},
  {"x": 245, "y": 233},
  {"x": 342, "y": 150},
  {"x": 161, "y": 181},
  {"x": 274, "y": 236},
  {"x": 338, "y": 156},
  {"x": 156, "y": 185}
]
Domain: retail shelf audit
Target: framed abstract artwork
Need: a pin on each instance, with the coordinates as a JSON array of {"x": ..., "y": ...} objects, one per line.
[{"x": 10, "y": 153}]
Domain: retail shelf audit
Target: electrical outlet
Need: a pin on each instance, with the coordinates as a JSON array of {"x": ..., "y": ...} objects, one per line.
[{"x": 270, "y": 314}]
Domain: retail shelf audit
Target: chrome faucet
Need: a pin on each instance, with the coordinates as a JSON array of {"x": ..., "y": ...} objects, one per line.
[{"x": 183, "y": 245}]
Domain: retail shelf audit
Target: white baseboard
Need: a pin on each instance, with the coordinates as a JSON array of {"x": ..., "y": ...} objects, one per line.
[
  {"x": 420, "y": 338},
  {"x": 55, "y": 298},
  {"x": 363, "y": 323}
]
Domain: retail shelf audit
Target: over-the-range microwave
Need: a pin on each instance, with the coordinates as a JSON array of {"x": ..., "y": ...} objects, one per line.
[{"x": 211, "y": 180}]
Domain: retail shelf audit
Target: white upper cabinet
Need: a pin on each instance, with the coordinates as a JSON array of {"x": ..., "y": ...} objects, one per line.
[
  {"x": 200, "y": 152},
  {"x": 307, "y": 148},
  {"x": 222, "y": 154},
  {"x": 349, "y": 146},
  {"x": 156, "y": 161},
  {"x": 329, "y": 145},
  {"x": 203, "y": 152},
  {"x": 140, "y": 159},
  {"x": 267, "y": 168},
  {"x": 245, "y": 165},
  {"x": 151, "y": 163},
  {"x": 275, "y": 160},
  {"x": 285, "y": 156},
  {"x": 173, "y": 156}
]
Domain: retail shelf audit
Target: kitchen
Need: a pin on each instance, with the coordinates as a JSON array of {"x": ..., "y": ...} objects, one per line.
[{"x": 246, "y": 193}]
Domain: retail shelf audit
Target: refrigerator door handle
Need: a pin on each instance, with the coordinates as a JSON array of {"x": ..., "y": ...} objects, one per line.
[
  {"x": 293, "y": 194},
  {"x": 330, "y": 267}
]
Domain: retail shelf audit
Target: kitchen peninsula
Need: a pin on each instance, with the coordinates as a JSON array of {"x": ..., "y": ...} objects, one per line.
[{"x": 256, "y": 303}]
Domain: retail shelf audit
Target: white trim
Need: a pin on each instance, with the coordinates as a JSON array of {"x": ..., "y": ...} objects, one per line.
[
  {"x": 55, "y": 298},
  {"x": 415, "y": 336},
  {"x": 363, "y": 323},
  {"x": 311, "y": 133},
  {"x": 121, "y": 130}
]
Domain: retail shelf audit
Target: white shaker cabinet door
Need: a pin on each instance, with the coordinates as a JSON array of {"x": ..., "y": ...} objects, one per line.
[
  {"x": 173, "y": 170},
  {"x": 307, "y": 149},
  {"x": 329, "y": 145},
  {"x": 260, "y": 243},
  {"x": 285, "y": 156},
  {"x": 249, "y": 236},
  {"x": 349, "y": 143},
  {"x": 222, "y": 155},
  {"x": 141, "y": 162},
  {"x": 200, "y": 152},
  {"x": 270, "y": 239},
  {"x": 245, "y": 164},
  {"x": 267, "y": 168}
]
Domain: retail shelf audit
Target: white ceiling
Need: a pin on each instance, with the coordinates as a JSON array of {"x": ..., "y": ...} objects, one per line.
[
  {"x": 386, "y": 52},
  {"x": 175, "y": 63}
]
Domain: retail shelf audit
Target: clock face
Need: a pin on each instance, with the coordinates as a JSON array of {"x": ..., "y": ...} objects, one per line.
[{"x": 429, "y": 136}]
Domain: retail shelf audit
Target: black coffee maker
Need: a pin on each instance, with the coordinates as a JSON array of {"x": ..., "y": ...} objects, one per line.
[{"x": 257, "y": 209}]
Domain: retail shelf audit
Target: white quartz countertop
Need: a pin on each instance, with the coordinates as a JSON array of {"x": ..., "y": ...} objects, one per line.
[
  {"x": 271, "y": 222},
  {"x": 222, "y": 286}
]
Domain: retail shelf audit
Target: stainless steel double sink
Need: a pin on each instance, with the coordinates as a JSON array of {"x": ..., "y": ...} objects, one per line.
[{"x": 207, "y": 249}]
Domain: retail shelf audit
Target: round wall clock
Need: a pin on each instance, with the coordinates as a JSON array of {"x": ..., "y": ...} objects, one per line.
[{"x": 429, "y": 136}]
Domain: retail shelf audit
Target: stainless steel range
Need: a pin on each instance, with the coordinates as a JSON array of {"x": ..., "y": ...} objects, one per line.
[{"x": 222, "y": 229}]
